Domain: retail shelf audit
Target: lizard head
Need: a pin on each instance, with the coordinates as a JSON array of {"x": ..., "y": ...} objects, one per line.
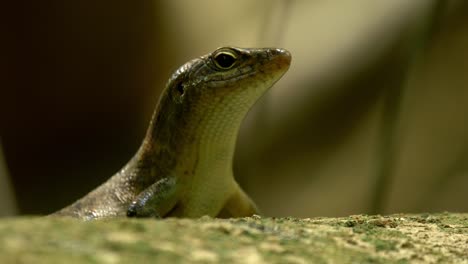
[{"x": 228, "y": 72}]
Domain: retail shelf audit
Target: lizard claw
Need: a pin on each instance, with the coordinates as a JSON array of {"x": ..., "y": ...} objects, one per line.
[
  {"x": 135, "y": 210},
  {"x": 131, "y": 212}
]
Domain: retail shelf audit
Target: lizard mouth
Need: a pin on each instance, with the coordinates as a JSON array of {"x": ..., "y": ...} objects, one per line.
[{"x": 234, "y": 78}]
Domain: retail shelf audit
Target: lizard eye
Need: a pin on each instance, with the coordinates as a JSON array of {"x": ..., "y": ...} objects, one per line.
[{"x": 224, "y": 59}]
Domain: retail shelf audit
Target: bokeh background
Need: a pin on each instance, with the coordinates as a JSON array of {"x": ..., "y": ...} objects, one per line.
[{"x": 371, "y": 117}]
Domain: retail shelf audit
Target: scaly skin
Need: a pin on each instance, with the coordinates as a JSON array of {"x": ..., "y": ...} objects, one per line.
[{"x": 184, "y": 165}]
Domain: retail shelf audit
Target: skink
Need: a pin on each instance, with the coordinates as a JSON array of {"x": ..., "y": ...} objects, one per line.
[{"x": 184, "y": 165}]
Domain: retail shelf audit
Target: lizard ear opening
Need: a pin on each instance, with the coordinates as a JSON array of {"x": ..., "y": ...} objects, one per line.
[{"x": 180, "y": 88}]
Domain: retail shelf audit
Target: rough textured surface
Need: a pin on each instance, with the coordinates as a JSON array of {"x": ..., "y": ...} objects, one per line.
[{"x": 427, "y": 238}]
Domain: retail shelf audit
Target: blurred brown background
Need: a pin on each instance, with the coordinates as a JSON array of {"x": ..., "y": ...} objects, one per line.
[{"x": 370, "y": 118}]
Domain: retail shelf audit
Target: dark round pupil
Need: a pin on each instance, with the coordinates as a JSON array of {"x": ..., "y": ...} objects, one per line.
[{"x": 225, "y": 60}]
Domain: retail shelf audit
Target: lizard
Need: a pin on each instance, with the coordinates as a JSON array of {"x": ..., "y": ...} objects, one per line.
[{"x": 183, "y": 167}]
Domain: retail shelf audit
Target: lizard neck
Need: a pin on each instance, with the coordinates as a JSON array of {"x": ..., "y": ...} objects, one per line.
[
  {"x": 216, "y": 143},
  {"x": 198, "y": 145}
]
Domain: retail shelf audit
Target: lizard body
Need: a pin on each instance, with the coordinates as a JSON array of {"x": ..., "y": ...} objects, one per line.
[{"x": 184, "y": 165}]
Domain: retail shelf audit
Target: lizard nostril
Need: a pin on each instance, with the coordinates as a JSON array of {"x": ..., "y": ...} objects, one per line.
[{"x": 278, "y": 52}]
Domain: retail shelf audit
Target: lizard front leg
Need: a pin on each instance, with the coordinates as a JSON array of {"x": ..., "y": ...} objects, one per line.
[{"x": 156, "y": 200}]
